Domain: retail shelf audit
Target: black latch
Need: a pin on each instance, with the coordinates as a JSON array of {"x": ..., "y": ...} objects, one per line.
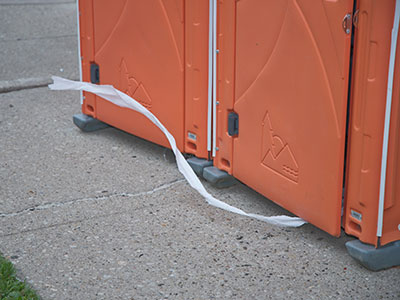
[
  {"x": 94, "y": 73},
  {"x": 233, "y": 124}
]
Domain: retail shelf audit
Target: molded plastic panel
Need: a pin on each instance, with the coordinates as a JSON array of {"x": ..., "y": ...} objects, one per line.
[
  {"x": 87, "y": 52},
  {"x": 226, "y": 32},
  {"x": 139, "y": 46},
  {"x": 366, "y": 130},
  {"x": 144, "y": 48},
  {"x": 196, "y": 77},
  {"x": 290, "y": 92}
]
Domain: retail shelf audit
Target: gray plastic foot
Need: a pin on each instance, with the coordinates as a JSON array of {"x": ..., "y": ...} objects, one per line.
[
  {"x": 198, "y": 164},
  {"x": 87, "y": 123},
  {"x": 218, "y": 178},
  {"x": 372, "y": 258}
]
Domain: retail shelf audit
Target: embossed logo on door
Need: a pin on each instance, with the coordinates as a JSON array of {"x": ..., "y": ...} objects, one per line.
[
  {"x": 131, "y": 87},
  {"x": 276, "y": 153}
]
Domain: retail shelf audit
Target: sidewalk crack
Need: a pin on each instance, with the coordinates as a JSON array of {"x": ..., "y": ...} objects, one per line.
[{"x": 51, "y": 205}]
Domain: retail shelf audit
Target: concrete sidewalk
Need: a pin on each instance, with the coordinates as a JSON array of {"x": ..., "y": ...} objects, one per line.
[{"x": 107, "y": 215}]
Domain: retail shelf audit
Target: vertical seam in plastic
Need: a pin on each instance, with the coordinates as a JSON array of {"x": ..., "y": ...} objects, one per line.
[{"x": 389, "y": 97}]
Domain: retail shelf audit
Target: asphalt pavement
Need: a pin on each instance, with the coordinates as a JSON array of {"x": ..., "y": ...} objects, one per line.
[{"x": 106, "y": 215}]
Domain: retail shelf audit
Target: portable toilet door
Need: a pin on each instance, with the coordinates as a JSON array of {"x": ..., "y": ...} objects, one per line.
[
  {"x": 283, "y": 76},
  {"x": 157, "y": 53}
]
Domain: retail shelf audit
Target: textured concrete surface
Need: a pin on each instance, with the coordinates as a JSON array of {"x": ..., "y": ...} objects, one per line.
[
  {"x": 106, "y": 215},
  {"x": 49, "y": 165},
  {"x": 38, "y": 40},
  {"x": 34, "y": 2},
  {"x": 45, "y": 21}
]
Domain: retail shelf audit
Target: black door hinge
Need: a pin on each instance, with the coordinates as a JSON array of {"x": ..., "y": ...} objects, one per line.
[
  {"x": 233, "y": 124},
  {"x": 94, "y": 73}
]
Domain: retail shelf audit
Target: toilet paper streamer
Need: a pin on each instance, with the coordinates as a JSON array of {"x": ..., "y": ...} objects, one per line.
[{"x": 117, "y": 97}]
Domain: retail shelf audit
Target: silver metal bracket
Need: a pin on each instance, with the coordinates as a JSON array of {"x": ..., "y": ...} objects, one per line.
[{"x": 347, "y": 23}]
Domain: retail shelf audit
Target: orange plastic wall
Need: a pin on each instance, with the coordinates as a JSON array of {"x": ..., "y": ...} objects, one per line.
[
  {"x": 368, "y": 101},
  {"x": 87, "y": 52},
  {"x": 283, "y": 68},
  {"x": 196, "y": 77},
  {"x": 226, "y": 37},
  {"x": 148, "y": 49}
]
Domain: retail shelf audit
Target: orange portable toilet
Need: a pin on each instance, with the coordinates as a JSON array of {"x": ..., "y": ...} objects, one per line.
[
  {"x": 371, "y": 82},
  {"x": 262, "y": 87},
  {"x": 283, "y": 69},
  {"x": 156, "y": 52},
  {"x": 282, "y": 113}
]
